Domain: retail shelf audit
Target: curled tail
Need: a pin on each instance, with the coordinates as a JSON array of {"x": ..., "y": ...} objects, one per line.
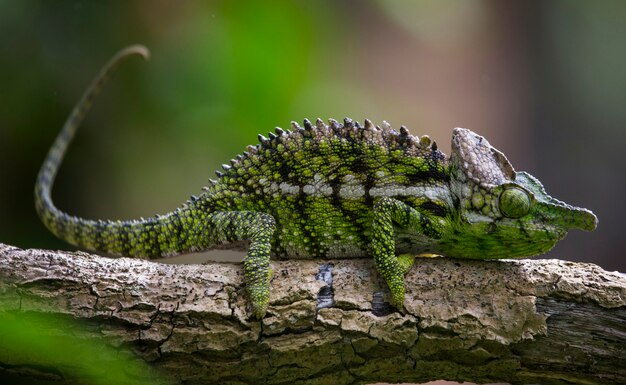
[{"x": 152, "y": 237}]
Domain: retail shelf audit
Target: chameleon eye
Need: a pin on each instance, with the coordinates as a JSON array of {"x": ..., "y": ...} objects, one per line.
[{"x": 514, "y": 202}]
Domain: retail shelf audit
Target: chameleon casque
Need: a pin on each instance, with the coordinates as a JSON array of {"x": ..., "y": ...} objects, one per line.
[{"x": 336, "y": 191}]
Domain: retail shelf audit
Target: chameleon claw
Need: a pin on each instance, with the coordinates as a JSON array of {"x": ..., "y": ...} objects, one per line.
[
  {"x": 259, "y": 300},
  {"x": 259, "y": 311}
]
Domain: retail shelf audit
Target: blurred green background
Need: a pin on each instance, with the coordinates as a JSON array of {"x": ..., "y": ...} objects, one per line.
[{"x": 544, "y": 81}]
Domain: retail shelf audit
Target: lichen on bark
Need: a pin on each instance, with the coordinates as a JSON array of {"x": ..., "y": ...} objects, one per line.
[{"x": 329, "y": 322}]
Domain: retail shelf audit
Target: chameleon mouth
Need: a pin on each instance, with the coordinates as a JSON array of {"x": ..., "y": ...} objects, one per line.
[
  {"x": 574, "y": 217},
  {"x": 586, "y": 220}
]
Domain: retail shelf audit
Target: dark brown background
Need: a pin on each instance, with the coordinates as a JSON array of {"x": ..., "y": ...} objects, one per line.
[{"x": 544, "y": 81}]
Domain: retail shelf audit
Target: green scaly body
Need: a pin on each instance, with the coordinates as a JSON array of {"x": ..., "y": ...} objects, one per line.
[{"x": 337, "y": 191}]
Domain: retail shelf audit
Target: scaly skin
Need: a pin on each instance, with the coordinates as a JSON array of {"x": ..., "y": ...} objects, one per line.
[{"x": 337, "y": 191}]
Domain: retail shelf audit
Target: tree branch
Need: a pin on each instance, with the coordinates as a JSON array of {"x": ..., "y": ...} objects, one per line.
[{"x": 523, "y": 321}]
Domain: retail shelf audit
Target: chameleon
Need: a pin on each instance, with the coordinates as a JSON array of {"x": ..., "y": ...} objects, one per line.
[{"x": 333, "y": 190}]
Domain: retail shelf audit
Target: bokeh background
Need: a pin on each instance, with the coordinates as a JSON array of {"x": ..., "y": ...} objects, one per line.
[{"x": 544, "y": 81}]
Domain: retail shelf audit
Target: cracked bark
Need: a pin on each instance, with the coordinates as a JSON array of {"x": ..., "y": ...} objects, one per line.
[{"x": 522, "y": 321}]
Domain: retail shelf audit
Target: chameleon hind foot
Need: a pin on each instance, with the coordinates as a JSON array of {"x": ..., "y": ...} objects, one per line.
[
  {"x": 258, "y": 228},
  {"x": 259, "y": 292}
]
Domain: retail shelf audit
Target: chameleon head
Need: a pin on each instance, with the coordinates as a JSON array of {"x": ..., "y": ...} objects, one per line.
[{"x": 503, "y": 213}]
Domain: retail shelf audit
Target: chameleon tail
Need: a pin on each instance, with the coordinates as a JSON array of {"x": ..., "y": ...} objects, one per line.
[
  {"x": 153, "y": 237},
  {"x": 53, "y": 160}
]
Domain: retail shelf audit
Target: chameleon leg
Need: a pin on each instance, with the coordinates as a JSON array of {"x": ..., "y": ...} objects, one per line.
[
  {"x": 258, "y": 228},
  {"x": 387, "y": 213},
  {"x": 405, "y": 261}
]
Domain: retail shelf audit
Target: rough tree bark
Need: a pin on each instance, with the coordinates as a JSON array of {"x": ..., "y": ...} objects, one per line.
[{"x": 523, "y": 321}]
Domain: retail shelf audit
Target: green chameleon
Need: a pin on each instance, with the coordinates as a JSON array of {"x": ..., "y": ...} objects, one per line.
[{"x": 335, "y": 191}]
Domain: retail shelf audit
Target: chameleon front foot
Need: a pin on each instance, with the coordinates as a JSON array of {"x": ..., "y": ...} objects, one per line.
[
  {"x": 393, "y": 270},
  {"x": 397, "y": 293},
  {"x": 388, "y": 213},
  {"x": 396, "y": 279}
]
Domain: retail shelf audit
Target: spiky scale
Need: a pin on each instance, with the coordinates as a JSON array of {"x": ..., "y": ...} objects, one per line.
[
  {"x": 279, "y": 131},
  {"x": 342, "y": 193},
  {"x": 334, "y": 125}
]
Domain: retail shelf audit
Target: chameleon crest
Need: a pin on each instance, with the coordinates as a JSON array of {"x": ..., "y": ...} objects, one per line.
[
  {"x": 503, "y": 213},
  {"x": 337, "y": 191}
]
